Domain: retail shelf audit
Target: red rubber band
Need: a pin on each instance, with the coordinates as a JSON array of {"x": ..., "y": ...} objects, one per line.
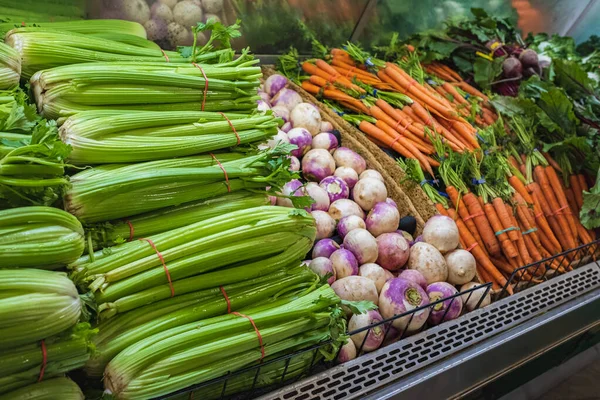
[
  {"x": 232, "y": 127},
  {"x": 474, "y": 216},
  {"x": 260, "y": 340},
  {"x": 165, "y": 55},
  {"x": 409, "y": 85},
  {"x": 224, "y": 172},
  {"x": 471, "y": 247},
  {"x": 44, "y": 360},
  {"x": 395, "y": 140},
  {"x": 131, "y": 230},
  {"x": 559, "y": 211},
  {"x": 349, "y": 72},
  {"x": 23, "y": 23},
  {"x": 541, "y": 214},
  {"x": 162, "y": 260},
  {"x": 205, "y": 84},
  {"x": 226, "y": 299},
  {"x": 404, "y": 128}
]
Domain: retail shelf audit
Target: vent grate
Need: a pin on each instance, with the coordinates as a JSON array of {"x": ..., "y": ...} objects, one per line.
[{"x": 381, "y": 367}]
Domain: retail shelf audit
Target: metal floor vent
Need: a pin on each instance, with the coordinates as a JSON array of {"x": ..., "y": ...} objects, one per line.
[{"x": 379, "y": 368}]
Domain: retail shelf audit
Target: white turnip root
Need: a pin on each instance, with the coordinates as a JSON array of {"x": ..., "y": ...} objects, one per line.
[
  {"x": 472, "y": 298},
  {"x": 302, "y": 139},
  {"x": 370, "y": 339},
  {"x": 362, "y": 244},
  {"x": 287, "y": 98},
  {"x": 274, "y": 84},
  {"x": 429, "y": 261},
  {"x": 369, "y": 192},
  {"x": 399, "y": 296},
  {"x": 262, "y": 106},
  {"x": 344, "y": 157},
  {"x": 214, "y": 17},
  {"x": 325, "y": 224},
  {"x": 135, "y": 10},
  {"x": 348, "y": 175},
  {"x": 391, "y": 203},
  {"x": 371, "y": 173},
  {"x": 326, "y": 141},
  {"x": 286, "y": 127},
  {"x": 326, "y": 126},
  {"x": 344, "y": 263},
  {"x": 178, "y": 35},
  {"x": 461, "y": 266},
  {"x": 324, "y": 248},
  {"x": 383, "y": 218},
  {"x": 414, "y": 276},
  {"x": 187, "y": 14},
  {"x": 280, "y": 137},
  {"x": 319, "y": 195},
  {"x": 161, "y": 11},
  {"x": 343, "y": 208},
  {"x": 347, "y": 352},
  {"x": 375, "y": 273},
  {"x": 406, "y": 236},
  {"x": 292, "y": 188},
  {"x": 281, "y": 112},
  {"x": 307, "y": 116},
  {"x": 349, "y": 223},
  {"x": 441, "y": 232},
  {"x": 323, "y": 266},
  {"x": 393, "y": 251},
  {"x": 170, "y": 3},
  {"x": 317, "y": 164},
  {"x": 265, "y": 97},
  {"x": 156, "y": 29},
  {"x": 335, "y": 187},
  {"x": 295, "y": 164},
  {"x": 445, "y": 310},
  {"x": 212, "y": 6},
  {"x": 355, "y": 288}
]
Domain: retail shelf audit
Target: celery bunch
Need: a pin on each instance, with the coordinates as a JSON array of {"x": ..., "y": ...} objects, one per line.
[
  {"x": 89, "y": 26},
  {"x": 52, "y": 389},
  {"x": 10, "y": 67}
]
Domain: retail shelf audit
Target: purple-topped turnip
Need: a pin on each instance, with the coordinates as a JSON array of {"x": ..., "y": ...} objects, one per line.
[
  {"x": 323, "y": 266},
  {"x": 325, "y": 224},
  {"x": 473, "y": 298},
  {"x": 262, "y": 105},
  {"x": 265, "y": 97},
  {"x": 319, "y": 195},
  {"x": 446, "y": 310},
  {"x": 274, "y": 84},
  {"x": 344, "y": 263},
  {"x": 375, "y": 273},
  {"x": 279, "y": 137},
  {"x": 294, "y": 164},
  {"x": 286, "y": 127},
  {"x": 326, "y": 141},
  {"x": 370, "y": 339},
  {"x": 399, "y": 296},
  {"x": 292, "y": 188},
  {"x": 349, "y": 223},
  {"x": 326, "y": 126},
  {"x": 418, "y": 239},
  {"x": 324, "y": 248},
  {"x": 287, "y": 98},
  {"x": 306, "y": 115},
  {"x": 317, "y": 164},
  {"x": 391, "y": 202},
  {"x": 348, "y": 175},
  {"x": 414, "y": 276},
  {"x": 393, "y": 251},
  {"x": 371, "y": 173},
  {"x": 343, "y": 208},
  {"x": 281, "y": 112},
  {"x": 356, "y": 288},
  {"x": 429, "y": 261},
  {"x": 369, "y": 192},
  {"x": 362, "y": 244},
  {"x": 461, "y": 266},
  {"x": 383, "y": 218},
  {"x": 406, "y": 236},
  {"x": 441, "y": 232},
  {"x": 347, "y": 352},
  {"x": 302, "y": 139},
  {"x": 344, "y": 157},
  {"x": 335, "y": 187}
]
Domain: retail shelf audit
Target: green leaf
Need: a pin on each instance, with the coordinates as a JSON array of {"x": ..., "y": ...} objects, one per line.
[
  {"x": 298, "y": 212},
  {"x": 590, "y": 211},
  {"x": 486, "y": 71},
  {"x": 359, "y": 307},
  {"x": 559, "y": 109},
  {"x": 573, "y": 78},
  {"x": 514, "y": 106}
]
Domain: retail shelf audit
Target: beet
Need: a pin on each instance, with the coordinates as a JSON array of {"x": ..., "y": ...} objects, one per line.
[
  {"x": 512, "y": 68},
  {"x": 529, "y": 58}
]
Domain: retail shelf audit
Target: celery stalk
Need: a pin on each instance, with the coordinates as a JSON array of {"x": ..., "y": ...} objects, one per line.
[
  {"x": 57, "y": 388},
  {"x": 90, "y": 26}
]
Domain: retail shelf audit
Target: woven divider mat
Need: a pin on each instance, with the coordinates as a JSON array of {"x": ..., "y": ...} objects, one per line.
[{"x": 409, "y": 197}]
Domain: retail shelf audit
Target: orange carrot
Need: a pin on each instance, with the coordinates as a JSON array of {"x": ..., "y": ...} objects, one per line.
[
  {"x": 472, "y": 91},
  {"x": 441, "y": 209},
  {"x": 558, "y": 187},
  {"x": 456, "y": 200},
  {"x": 312, "y": 69},
  {"x": 543, "y": 223},
  {"x": 483, "y": 225},
  {"x": 519, "y": 187},
  {"x": 577, "y": 191},
  {"x": 551, "y": 161},
  {"x": 505, "y": 218},
  {"x": 404, "y": 127},
  {"x": 506, "y": 244}
]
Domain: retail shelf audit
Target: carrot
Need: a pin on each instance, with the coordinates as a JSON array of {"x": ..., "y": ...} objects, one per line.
[
  {"x": 551, "y": 161},
  {"x": 505, "y": 218},
  {"x": 472, "y": 91},
  {"x": 394, "y": 134},
  {"x": 441, "y": 209},
  {"x": 503, "y": 265},
  {"x": 387, "y": 79},
  {"x": 543, "y": 223},
  {"x": 582, "y": 183},
  {"x": 519, "y": 187},
  {"x": 344, "y": 64},
  {"x": 522, "y": 248},
  {"x": 506, "y": 244},
  {"x": 559, "y": 189},
  {"x": 426, "y": 119},
  {"x": 531, "y": 248},
  {"x": 527, "y": 221},
  {"x": 450, "y": 71},
  {"x": 464, "y": 213},
  {"x": 312, "y": 69},
  {"x": 412, "y": 132},
  {"x": 334, "y": 94},
  {"x": 577, "y": 191},
  {"x": 552, "y": 190},
  {"x": 482, "y": 223},
  {"x": 571, "y": 200}
]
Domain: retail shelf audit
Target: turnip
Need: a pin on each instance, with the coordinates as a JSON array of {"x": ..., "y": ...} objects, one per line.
[
  {"x": 371, "y": 173},
  {"x": 343, "y": 208},
  {"x": 399, "y": 296},
  {"x": 375, "y": 273},
  {"x": 383, "y": 218},
  {"x": 170, "y": 3},
  {"x": 302, "y": 139},
  {"x": 161, "y": 11},
  {"x": 356, "y": 288},
  {"x": 335, "y": 187},
  {"x": 369, "y": 192},
  {"x": 135, "y": 10},
  {"x": 307, "y": 116},
  {"x": 287, "y": 98},
  {"x": 212, "y": 6},
  {"x": 414, "y": 276},
  {"x": 319, "y": 195},
  {"x": 472, "y": 298},
  {"x": 344, "y": 263},
  {"x": 349, "y": 223},
  {"x": 280, "y": 137},
  {"x": 461, "y": 266},
  {"x": 324, "y": 248},
  {"x": 325, "y": 224},
  {"x": 348, "y": 175},
  {"x": 265, "y": 97},
  {"x": 156, "y": 29},
  {"x": 344, "y": 157},
  {"x": 347, "y": 352},
  {"x": 441, "y": 232},
  {"x": 325, "y": 140},
  {"x": 214, "y": 17},
  {"x": 429, "y": 261},
  {"x": 187, "y": 14},
  {"x": 446, "y": 310},
  {"x": 323, "y": 266},
  {"x": 406, "y": 236},
  {"x": 262, "y": 106},
  {"x": 281, "y": 112},
  {"x": 391, "y": 202},
  {"x": 295, "y": 166},
  {"x": 512, "y": 67},
  {"x": 178, "y": 35},
  {"x": 326, "y": 126},
  {"x": 274, "y": 84},
  {"x": 362, "y": 244},
  {"x": 286, "y": 127},
  {"x": 317, "y": 164},
  {"x": 292, "y": 188},
  {"x": 393, "y": 251},
  {"x": 369, "y": 339}
]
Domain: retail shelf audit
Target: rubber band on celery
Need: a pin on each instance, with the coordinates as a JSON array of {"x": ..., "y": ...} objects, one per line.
[
  {"x": 165, "y": 55},
  {"x": 224, "y": 172},
  {"x": 232, "y": 127},
  {"x": 260, "y": 339},
  {"x": 162, "y": 260},
  {"x": 226, "y": 299},
  {"x": 205, "y": 84},
  {"x": 44, "y": 360},
  {"x": 131, "y": 230}
]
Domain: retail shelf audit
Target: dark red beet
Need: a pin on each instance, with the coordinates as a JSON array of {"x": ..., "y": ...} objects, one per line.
[
  {"x": 508, "y": 88},
  {"x": 512, "y": 68},
  {"x": 529, "y": 58}
]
